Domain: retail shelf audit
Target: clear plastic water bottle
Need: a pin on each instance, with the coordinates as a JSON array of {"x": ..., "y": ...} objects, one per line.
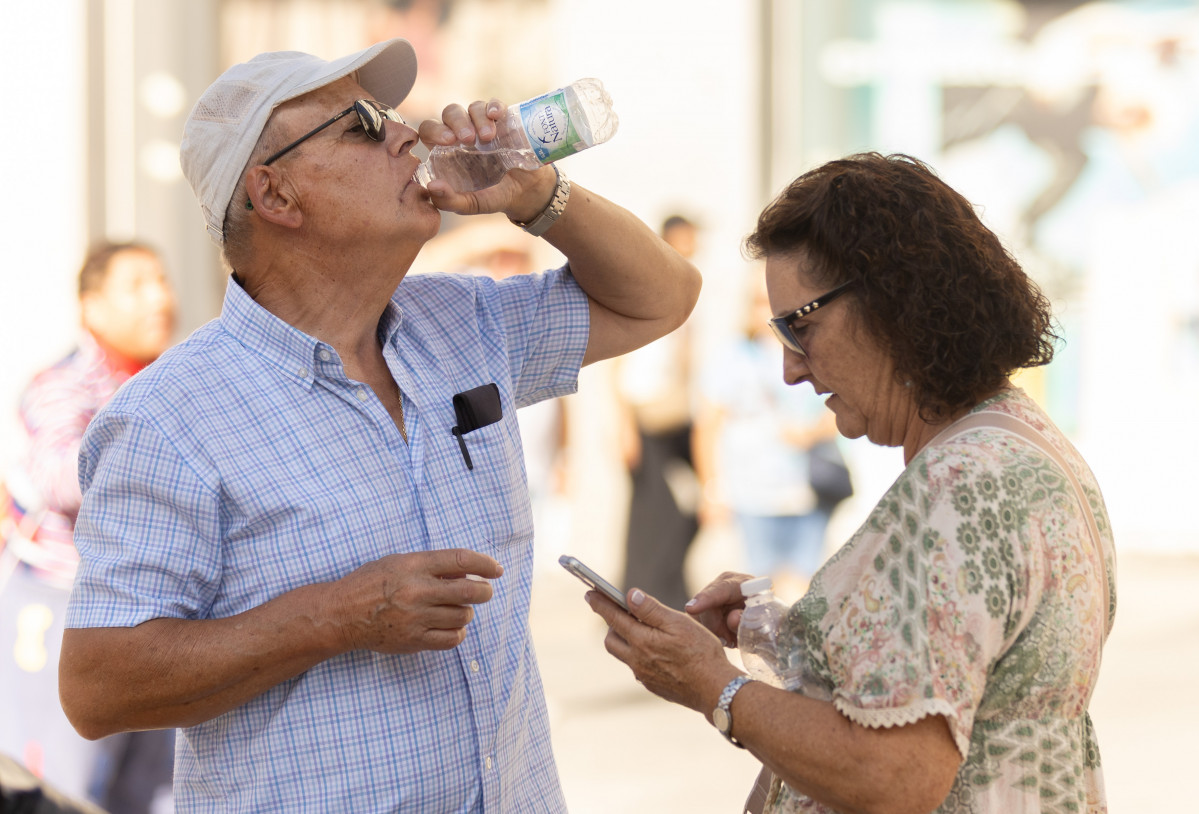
[
  {"x": 757, "y": 636},
  {"x": 540, "y": 131}
]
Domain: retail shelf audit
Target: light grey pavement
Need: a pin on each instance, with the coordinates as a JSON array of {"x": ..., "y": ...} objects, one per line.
[{"x": 620, "y": 749}]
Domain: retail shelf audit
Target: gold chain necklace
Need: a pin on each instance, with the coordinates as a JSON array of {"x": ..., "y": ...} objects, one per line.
[{"x": 400, "y": 402}]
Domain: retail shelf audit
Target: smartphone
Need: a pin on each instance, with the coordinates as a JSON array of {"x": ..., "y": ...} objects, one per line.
[{"x": 574, "y": 566}]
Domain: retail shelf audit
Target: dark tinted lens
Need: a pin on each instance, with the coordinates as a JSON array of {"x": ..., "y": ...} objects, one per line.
[
  {"x": 373, "y": 115},
  {"x": 371, "y": 118}
]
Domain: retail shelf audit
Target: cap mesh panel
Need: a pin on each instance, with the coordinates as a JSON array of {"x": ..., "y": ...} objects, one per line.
[{"x": 228, "y": 107}]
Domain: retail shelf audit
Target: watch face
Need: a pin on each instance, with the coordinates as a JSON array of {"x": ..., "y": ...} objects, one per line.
[{"x": 720, "y": 718}]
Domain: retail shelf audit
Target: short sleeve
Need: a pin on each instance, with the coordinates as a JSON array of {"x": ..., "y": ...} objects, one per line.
[
  {"x": 937, "y": 592},
  {"x": 148, "y": 532},
  {"x": 546, "y": 322}
]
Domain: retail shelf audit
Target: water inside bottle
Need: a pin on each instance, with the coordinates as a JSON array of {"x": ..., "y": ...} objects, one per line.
[{"x": 467, "y": 170}]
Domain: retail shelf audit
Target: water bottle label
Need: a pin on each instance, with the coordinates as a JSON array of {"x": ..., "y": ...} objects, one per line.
[{"x": 550, "y": 130}]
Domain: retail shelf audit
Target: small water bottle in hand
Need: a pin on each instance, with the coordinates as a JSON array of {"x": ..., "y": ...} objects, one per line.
[
  {"x": 757, "y": 635},
  {"x": 539, "y": 131}
]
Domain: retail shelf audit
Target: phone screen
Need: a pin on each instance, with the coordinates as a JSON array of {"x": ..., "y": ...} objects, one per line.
[{"x": 594, "y": 580}]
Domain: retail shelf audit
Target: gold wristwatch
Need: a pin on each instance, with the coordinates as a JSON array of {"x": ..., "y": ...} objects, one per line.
[{"x": 722, "y": 716}]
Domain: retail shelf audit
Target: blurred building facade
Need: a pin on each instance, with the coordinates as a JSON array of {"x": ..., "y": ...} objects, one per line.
[{"x": 1070, "y": 122}]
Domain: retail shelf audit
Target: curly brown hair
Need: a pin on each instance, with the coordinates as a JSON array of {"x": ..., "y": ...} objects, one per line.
[{"x": 934, "y": 285}]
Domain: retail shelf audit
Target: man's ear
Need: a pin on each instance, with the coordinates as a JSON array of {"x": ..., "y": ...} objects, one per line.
[{"x": 270, "y": 198}]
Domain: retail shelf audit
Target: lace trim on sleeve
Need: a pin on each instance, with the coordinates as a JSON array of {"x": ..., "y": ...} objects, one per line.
[{"x": 888, "y": 717}]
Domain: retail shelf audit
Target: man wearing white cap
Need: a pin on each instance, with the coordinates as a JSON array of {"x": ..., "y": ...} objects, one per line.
[{"x": 306, "y": 537}]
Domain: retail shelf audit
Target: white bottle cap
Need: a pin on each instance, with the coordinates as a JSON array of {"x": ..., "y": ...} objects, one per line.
[{"x": 756, "y": 586}]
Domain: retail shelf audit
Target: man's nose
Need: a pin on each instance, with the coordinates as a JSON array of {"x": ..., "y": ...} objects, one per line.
[{"x": 399, "y": 137}]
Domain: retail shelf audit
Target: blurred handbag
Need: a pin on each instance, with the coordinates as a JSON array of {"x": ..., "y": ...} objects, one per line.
[{"x": 828, "y": 475}]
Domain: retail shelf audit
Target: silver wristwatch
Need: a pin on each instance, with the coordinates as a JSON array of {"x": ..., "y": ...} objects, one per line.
[
  {"x": 553, "y": 210},
  {"x": 722, "y": 716}
]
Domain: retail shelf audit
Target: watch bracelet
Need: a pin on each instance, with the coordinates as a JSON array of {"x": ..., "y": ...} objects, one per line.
[
  {"x": 547, "y": 217},
  {"x": 724, "y": 705}
]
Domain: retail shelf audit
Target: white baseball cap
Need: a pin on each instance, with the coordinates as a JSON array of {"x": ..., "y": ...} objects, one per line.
[{"x": 225, "y": 124}]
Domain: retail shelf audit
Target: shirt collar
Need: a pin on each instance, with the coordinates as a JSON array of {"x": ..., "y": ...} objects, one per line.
[
  {"x": 294, "y": 353},
  {"x": 389, "y": 323},
  {"x": 288, "y": 349}
]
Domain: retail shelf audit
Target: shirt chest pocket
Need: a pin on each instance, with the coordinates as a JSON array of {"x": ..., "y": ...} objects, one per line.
[{"x": 494, "y": 485}]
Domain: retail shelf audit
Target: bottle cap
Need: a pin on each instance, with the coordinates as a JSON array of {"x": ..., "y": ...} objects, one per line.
[{"x": 756, "y": 586}]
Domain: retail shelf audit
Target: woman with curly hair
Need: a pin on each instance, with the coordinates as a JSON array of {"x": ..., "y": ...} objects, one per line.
[{"x": 953, "y": 642}]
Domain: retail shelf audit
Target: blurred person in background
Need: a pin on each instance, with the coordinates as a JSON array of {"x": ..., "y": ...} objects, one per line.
[
  {"x": 654, "y": 396},
  {"x": 306, "y": 537},
  {"x": 953, "y": 643},
  {"x": 753, "y": 434},
  {"x": 128, "y": 318}
]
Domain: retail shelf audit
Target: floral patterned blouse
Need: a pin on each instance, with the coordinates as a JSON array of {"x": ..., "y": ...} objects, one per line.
[{"x": 973, "y": 591}]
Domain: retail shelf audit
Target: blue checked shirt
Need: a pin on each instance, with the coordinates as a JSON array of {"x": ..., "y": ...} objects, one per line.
[{"x": 244, "y": 463}]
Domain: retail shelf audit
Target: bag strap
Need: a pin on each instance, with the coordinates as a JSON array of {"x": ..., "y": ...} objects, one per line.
[
  {"x": 758, "y": 795},
  {"x": 1021, "y": 428}
]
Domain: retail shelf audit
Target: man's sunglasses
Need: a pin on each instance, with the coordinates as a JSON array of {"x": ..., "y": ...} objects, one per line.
[
  {"x": 371, "y": 114},
  {"x": 784, "y": 327}
]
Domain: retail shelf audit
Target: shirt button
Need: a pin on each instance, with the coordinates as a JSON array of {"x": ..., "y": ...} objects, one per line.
[
  {"x": 361, "y": 394},
  {"x": 487, "y": 762},
  {"x": 474, "y": 666},
  {"x": 302, "y": 373},
  {"x": 325, "y": 355}
]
